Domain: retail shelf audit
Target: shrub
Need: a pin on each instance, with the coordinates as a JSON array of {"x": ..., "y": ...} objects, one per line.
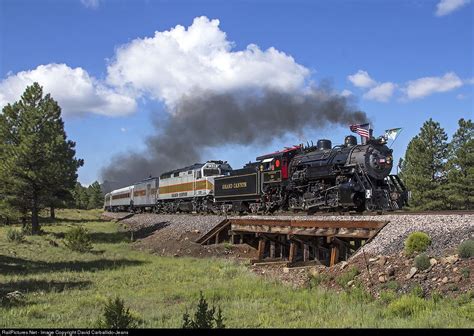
[
  {"x": 204, "y": 317},
  {"x": 417, "y": 291},
  {"x": 417, "y": 242},
  {"x": 466, "y": 272},
  {"x": 15, "y": 236},
  {"x": 78, "y": 240},
  {"x": 388, "y": 296},
  {"x": 116, "y": 316},
  {"x": 422, "y": 262},
  {"x": 406, "y": 306},
  {"x": 466, "y": 249},
  {"x": 392, "y": 285},
  {"x": 347, "y": 276}
]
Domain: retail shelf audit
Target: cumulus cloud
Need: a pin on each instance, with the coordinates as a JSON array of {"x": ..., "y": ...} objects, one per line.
[
  {"x": 73, "y": 88},
  {"x": 426, "y": 86},
  {"x": 445, "y": 7},
  {"x": 382, "y": 92},
  {"x": 179, "y": 61},
  {"x": 346, "y": 93},
  {"x": 362, "y": 79}
]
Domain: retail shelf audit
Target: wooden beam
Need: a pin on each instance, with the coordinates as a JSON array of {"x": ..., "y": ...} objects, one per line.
[
  {"x": 293, "y": 248},
  {"x": 261, "y": 248},
  {"x": 305, "y": 252},
  {"x": 272, "y": 249},
  {"x": 334, "y": 256}
]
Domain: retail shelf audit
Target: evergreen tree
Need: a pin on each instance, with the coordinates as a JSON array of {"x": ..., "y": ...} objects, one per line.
[
  {"x": 37, "y": 162},
  {"x": 423, "y": 169},
  {"x": 96, "y": 199},
  {"x": 460, "y": 167}
]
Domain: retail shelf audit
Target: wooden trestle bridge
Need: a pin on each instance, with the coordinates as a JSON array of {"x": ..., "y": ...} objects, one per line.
[{"x": 297, "y": 241}]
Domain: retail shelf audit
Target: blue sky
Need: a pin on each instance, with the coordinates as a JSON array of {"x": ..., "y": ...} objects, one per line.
[{"x": 403, "y": 62}]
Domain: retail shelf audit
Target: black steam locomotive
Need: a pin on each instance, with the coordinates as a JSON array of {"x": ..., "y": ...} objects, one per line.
[{"x": 348, "y": 177}]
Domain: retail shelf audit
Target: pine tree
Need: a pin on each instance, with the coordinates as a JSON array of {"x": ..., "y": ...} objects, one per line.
[
  {"x": 423, "y": 168},
  {"x": 460, "y": 167},
  {"x": 37, "y": 162},
  {"x": 96, "y": 199}
]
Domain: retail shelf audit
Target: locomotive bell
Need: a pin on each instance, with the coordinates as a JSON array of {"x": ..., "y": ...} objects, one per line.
[
  {"x": 324, "y": 144},
  {"x": 350, "y": 141}
]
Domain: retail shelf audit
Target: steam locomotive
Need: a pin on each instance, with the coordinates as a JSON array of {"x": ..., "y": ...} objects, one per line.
[
  {"x": 316, "y": 178},
  {"x": 347, "y": 177}
]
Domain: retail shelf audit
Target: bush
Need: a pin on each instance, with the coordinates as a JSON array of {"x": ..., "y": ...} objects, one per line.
[
  {"x": 204, "y": 317},
  {"x": 15, "y": 236},
  {"x": 466, "y": 249},
  {"x": 116, "y": 316},
  {"x": 406, "y": 306},
  {"x": 388, "y": 296},
  {"x": 422, "y": 262},
  {"x": 348, "y": 276},
  {"x": 417, "y": 291},
  {"x": 78, "y": 240},
  {"x": 417, "y": 242}
]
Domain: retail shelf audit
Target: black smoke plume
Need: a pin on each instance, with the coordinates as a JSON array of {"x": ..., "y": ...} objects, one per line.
[{"x": 204, "y": 120}]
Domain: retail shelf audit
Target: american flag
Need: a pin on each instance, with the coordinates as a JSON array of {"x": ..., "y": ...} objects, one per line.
[{"x": 362, "y": 130}]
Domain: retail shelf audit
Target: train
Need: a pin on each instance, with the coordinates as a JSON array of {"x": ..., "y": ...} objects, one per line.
[{"x": 303, "y": 178}]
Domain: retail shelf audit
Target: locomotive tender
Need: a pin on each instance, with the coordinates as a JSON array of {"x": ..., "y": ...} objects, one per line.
[{"x": 301, "y": 178}]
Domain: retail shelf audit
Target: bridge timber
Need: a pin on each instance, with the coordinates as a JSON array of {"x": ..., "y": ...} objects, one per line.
[{"x": 307, "y": 240}]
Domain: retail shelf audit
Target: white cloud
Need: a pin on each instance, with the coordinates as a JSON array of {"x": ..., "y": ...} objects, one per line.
[
  {"x": 382, "y": 92},
  {"x": 362, "y": 79},
  {"x": 445, "y": 7},
  {"x": 346, "y": 93},
  {"x": 93, "y": 4},
  {"x": 123, "y": 129},
  {"x": 73, "y": 88},
  {"x": 428, "y": 85},
  {"x": 180, "y": 60}
]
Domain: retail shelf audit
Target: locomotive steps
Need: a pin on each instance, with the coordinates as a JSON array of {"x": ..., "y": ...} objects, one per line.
[{"x": 295, "y": 241}]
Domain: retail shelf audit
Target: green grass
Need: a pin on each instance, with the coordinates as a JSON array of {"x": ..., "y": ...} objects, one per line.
[{"x": 66, "y": 289}]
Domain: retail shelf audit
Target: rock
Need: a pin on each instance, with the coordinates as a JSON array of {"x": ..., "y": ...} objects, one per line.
[
  {"x": 350, "y": 283},
  {"x": 407, "y": 262},
  {"x": 373, "y": 259},
  {"x": 444, "y": 280},
  {"x": 455, "y": 269},
  {"x": 451, "y": 259},
  {"x": 424, "y": 277},
  {"x": 433, "y": 261},
  {"x": 434, "y": 279},
  {"x": 314, "y": 272},
  {"x": 382, "y": 260},
  {"x": 286, "y": 270},
  {"x": 390, "y": 271},
  {"x": 382, "y": 279},
  {"x": 413, "y": 271},
  {"x": 344, "y": 264},
  {"x": 458, "y": 278},
  {"x": 196, "y": 231}
]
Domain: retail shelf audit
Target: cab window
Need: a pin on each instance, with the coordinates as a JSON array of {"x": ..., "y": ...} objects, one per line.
[{"x": 211, "y": 172}]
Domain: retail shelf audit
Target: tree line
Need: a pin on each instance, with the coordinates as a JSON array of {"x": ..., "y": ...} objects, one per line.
[{"x": 440, "y": 174}]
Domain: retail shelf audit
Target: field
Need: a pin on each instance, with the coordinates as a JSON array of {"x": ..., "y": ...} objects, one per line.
[{"x": 65, "y": 289}]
